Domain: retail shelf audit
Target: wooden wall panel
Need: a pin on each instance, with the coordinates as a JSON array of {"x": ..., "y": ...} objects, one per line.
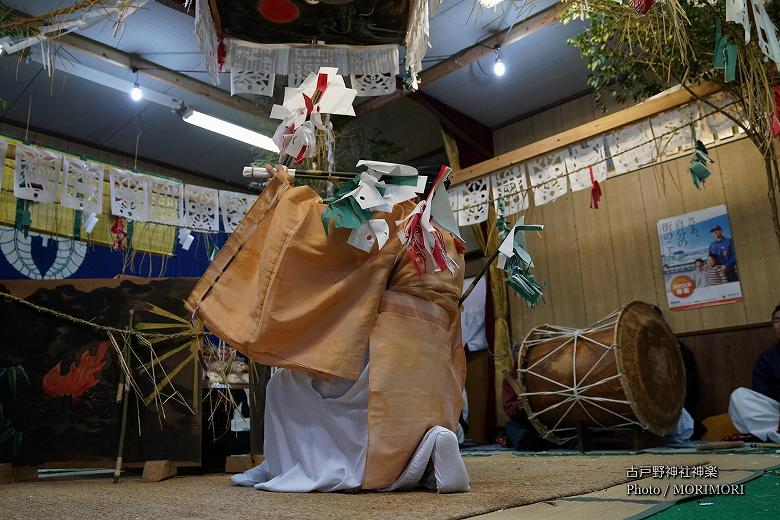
[
  {"x": 630, "y": 238},
  {"x": 725, "y": 361},
  {"x": 563, "y": 262},
  {"x": 661, "y": 199},
  {"x": 597, "y": 260}
]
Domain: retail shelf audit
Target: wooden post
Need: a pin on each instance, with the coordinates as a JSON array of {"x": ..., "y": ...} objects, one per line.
[{"x": 123, "y": 394}]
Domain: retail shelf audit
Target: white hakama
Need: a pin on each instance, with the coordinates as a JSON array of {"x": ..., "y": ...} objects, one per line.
[
  {"x": 755, "y": 413},
  {"x": 316, "y": 436}
]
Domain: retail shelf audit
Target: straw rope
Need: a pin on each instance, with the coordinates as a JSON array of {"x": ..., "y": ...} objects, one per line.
[{"x": 105, "y": 328}]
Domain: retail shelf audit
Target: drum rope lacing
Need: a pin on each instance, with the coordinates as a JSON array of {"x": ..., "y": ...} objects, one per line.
[{"x": 574, "y": 394}]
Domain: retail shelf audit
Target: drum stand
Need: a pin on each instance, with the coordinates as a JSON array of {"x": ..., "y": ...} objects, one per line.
[{"x": 634, "y": 439}]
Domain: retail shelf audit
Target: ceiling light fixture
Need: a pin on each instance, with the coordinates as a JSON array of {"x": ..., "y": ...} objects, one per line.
[
  {"x": 499, "y": 69},
  {"x": 136, "y": 94},
  {"x": 489, "y": 3},
  {"x": 227, "y": 129}
]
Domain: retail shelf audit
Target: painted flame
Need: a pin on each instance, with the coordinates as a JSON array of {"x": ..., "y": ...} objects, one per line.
[{"x": 79, "y": 378}]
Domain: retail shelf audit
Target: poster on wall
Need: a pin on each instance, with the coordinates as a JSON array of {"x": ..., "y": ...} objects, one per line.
[{"x": 699, "y": 261}]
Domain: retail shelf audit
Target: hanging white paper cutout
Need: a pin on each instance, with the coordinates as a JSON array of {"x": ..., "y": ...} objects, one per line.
[
  {"x": 129, "y": 195},
  {"x": 736, "y": 11},
  {"x": 767, "y": 32},
  {"x": 585, "y": 153},
  {"x": 82, "y": 185},
  {"x": 632, "y": 147},
  {"x": 547, "y": 167},
  {"x": 452, "y": 194},
  {"x": 166, "y": 201},
  {"x": 36, "y": 174},
  {"x": 3, "y": 150},
  {"x": 719, "y": 126},
  {"x": 234, "y": 206},
  {"x": 580, "y": 180},
  {"x": 510, "y": 187},
  {"x": 473, "y": 202},
  {"x": 201, "y": 208},
  {"x": 678, "y": 121},
  {"x": 252, "y": 68},
  {"x": 206, "y": 37},
  {"x": 548, "y": 192}
]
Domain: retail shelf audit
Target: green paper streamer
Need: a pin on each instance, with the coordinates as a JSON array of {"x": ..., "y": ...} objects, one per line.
[
  {"x": 77, "y": 217},
  {"x": 725, "y": 54},
  {"x": 731, "y": 62},
  {"x": 523, "y": 282},
  {"x": 130, "y": 228},
  {"x": 698, "y": 168},
  {"x": 346, "y": 213},
  {"x": 400, "y": 180},
  {"x": 23, "y": 219}
]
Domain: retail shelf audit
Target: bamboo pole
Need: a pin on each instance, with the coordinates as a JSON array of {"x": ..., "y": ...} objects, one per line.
[{"x": 123, "y": 393}]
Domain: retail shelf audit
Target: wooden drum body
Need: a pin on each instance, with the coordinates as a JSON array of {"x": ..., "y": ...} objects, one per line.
[{"x": 624, "y": 371}]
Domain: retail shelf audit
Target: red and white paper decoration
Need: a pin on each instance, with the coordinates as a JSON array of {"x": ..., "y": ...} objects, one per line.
[{"x": 581, "y": 159}]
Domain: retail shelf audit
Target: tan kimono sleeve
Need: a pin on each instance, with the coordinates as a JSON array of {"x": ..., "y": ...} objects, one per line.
[{"x": 291, "y": 296}]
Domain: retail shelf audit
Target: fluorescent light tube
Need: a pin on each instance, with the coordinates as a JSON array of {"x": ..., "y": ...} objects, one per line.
[{"x": 236, "y": 132}]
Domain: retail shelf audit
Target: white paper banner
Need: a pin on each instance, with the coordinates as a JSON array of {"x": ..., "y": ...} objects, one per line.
[
  {"x": 547, "y": 167},
  {"x": 36, "y": 174},
  {"x": 678, "y": 121},
  {"x": 129, "y": 195},
  {"x": 82, "y": 185},
  {"x": 550, "y": 191},
  {"x": 510, "y": 187},
  {"x": 632, "y": 147},
  {"x": 234, "y": 206},
  {"x": 580, "y": 180},
  {"x": 585, "y": 153},
  {"x": 473, "y": 201},
  {"x": 166, "y": 202},
  {"x": 201, "y": 208}
]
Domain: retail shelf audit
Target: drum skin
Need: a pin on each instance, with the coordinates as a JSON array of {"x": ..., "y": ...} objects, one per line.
[{"x": 644, "y": 369}]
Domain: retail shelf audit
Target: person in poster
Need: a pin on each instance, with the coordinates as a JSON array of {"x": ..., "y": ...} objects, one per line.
[{"x": 722, "y": 247}]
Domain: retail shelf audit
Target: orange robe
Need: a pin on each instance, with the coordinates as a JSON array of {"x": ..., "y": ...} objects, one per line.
[{"x": 285, "y": 294}]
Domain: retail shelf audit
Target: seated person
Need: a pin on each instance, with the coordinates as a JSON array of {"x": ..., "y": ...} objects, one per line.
[
  {"x": 520, "y": 433},
  {"x": 757, "y": 411}
]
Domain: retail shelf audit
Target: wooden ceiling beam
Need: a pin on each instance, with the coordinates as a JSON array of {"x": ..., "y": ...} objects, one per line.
[
  {"x": 157, "y": 72},
  {"x": 152, "y": 70},
  {"x": 514, "y": 34}
]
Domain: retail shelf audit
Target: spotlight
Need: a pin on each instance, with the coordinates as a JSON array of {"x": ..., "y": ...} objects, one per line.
[{"x": 136, "y": 94}]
